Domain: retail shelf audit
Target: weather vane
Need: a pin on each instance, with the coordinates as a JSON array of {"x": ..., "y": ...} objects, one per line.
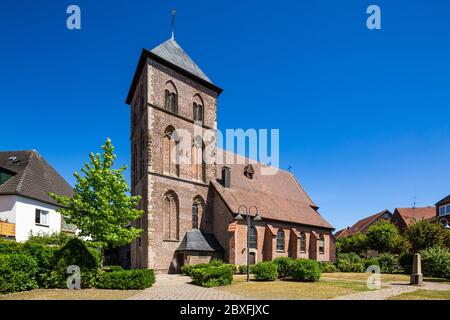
[{"x": 172, "y": 24}]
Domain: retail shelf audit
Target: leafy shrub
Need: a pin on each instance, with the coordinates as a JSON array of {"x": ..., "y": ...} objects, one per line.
[
  {"x": 425, "y": 234},
  {"x": 387, "y": 262},
  {"x": 232, "y": 267},
  {"x": 373, "y": 261},
  {"x": 350, "y": 262},
  {"x": 356, "y": 243},
  {"x": 76, "y": 253},
  {"x": 56, "y": 238},
  {"x": 187, "y": 268},
  {"x": 242, "y": 269},
  {"x": 265, "y": 271},
  {"x": 435, "y": 262},
  {"x": 126, "y": 279},
  {"x": 10, "y": 247},
  {"x": 328, "y": 267},
  {"x": 305, "y": 270},
  {"x": 216, "y": 262},
  {"x": 406, "y": 261},
  {"x": 112, "y": 268},
  {"x": 17, "y": 273},
  {"x": 283, "y": 265},
  {"x": 44, "y": 256},
  {"x": 212, "y": 276}
]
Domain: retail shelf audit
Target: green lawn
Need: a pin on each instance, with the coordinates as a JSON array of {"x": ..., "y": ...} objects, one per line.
[
  {"x": 384, "y": 277},
  {"x": 285, "y": 289},
  {"x": 65, "y": 294},
  {"x": 424, "y": 295}
]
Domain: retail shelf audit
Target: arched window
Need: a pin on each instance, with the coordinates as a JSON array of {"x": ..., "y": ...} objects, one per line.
[
  {"x": 198, "y": 110},
  {"x": 195, "y": 215},
  {"x": 198, "y": 165},
  {"x": 253, "y": 239},
  {"x": 171, "y": 216},
  {"x": 143, "y": 154},
  {"x": 171, "y": 161},
  {"x": 171, "y": 97},
  {"x": 302, "y": 242},
  {"x": 321, "y": 244},
  {"x": 197, "y": 211},
  {"x": 280, "y": 240}
]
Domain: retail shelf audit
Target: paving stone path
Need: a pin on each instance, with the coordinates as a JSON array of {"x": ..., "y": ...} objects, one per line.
[
  {"x": 394, "y": 289},
  {"x": 177, "y": 287}
]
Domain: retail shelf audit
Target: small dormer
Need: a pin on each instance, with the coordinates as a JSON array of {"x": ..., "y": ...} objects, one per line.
[{"x": 249, "y": 171}]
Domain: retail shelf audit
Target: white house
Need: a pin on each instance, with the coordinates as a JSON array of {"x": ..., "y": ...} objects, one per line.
[{"x": 25, "y": 206}]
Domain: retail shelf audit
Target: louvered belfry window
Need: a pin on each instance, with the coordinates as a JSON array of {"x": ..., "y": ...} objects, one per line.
[{"x": 171, "y": 102}]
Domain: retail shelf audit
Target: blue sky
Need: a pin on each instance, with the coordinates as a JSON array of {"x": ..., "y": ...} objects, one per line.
[{"x": 363, "y": 115}]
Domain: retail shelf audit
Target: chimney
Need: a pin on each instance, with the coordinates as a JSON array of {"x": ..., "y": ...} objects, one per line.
[{"x": 226, "y": 177}]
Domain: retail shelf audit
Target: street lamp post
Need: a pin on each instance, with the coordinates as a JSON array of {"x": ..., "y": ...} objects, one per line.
[{"x": 257, "y": 217}]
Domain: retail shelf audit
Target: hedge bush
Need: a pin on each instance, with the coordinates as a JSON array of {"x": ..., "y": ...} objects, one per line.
[
  {"x": 265, "y": 271},
  {"x": 76, "y": 253},
  {"x": 17, "y": 273},
  {"x": 350, "y": 262},
  {"x": 126, "y": 279},
  {"x": 242, "y": 269},
  {"x": 305, "y": 270},
  {"x": 283, "y": 264},
  {"x": 405, "y": 261},
  {"x": 45, "y": 258},
  {"x": 388, "y": 262},
  {"x": 435, "y": 262},
  {"x": 328, "y": 267},
  {"x": 373, "y": 261},
  {"x": 10, "y": 247},
  {"x": 112, "y": 268},
  {"x": 212, "y": 276}
]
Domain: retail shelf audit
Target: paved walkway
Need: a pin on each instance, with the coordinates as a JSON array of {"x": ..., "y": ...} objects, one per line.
[
  {"x": 177, "y": 287},
  {"x": 394, "y": 289}
]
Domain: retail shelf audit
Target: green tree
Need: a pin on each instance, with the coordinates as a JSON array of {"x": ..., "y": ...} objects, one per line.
[
  {"x": 424, "y": 234},
  {"x": 356, "y": 243},
  {"x": 101, "y": 206},
  {"x": 383, "y": 236}
]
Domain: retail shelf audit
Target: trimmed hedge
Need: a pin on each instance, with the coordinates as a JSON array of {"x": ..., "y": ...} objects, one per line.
[
  {"x": 212, "y": 276},
  {"x": 283, "y": 264},
  {"x": 17, "y": 273},
  {"x": 76, "y": 253},
  {"x": 126, "y": 279},
  {"x": 305, "y": 270},
  {"x": 388, "y": 262},
  {"x": 242, "y": 269},
  {"x": 406, "y": 261},
  {"x": 265, "y": 271},
  {"x": 10, "y": 247}
]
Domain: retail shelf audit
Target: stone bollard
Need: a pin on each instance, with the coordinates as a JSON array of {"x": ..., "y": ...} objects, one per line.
[{"x": 417, "y": 276}]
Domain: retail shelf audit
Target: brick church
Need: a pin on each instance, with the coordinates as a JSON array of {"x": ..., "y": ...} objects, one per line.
[{"x": 191, "y": 208}]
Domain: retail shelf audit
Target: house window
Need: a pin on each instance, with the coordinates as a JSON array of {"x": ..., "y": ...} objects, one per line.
[
  {"x": 280, "y": 240},
  {"x": 321, "y": 244},
  {"x": 171, "y": 103},
  {"x": 302, "y": 242},
  {"x": 41, "y": 217},
  {"x": 171, "y": 161},
  {"x": 198, "y": 112},
  {"x": 253, "y": 239},
  {"x": 444, "y": 210},
  {"x": 195, "y": 216}
]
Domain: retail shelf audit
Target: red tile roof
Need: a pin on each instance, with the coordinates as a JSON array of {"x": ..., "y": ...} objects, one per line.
[
  {"x": 361, "y": 225},
  {"x": 409, "y": 215},
  {"x": 278, "y": 196}
]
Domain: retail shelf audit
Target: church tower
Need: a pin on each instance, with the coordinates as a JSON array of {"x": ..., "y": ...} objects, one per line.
[{"x": 172, "y": 103}]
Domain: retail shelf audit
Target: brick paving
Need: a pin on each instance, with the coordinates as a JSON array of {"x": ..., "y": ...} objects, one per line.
[{"x": 177, "y": 287}]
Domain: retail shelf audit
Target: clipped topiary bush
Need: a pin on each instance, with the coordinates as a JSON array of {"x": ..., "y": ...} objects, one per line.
[
  {"x": 112, "y": 268},
  {"x": 136, "y": 279},
  {"x": 283, "y": 264},
  {"x": 328, "y": 267},
  {"x": 45, "y": 258},
  {"x": 76, "y": 253},
  {"x": 216, "y": 262},
  {"x": 17, "y": 273},
  {"x": 305, "y": 270},
  {"x": 187, "y": 268},
  {"x": 212, "y": 276},
  {"x": 265, "y": 271},
  {"x": 435, "y": 262},
  {"x": 242, "y": 269}
]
